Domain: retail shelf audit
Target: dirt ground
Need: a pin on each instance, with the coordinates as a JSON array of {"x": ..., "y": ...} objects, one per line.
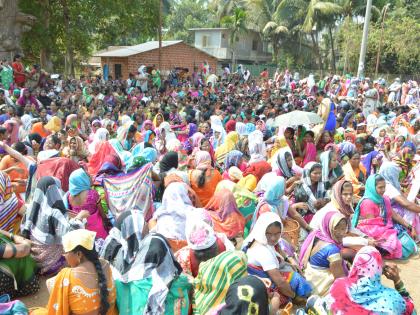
[{"x": 409, "y": 270}]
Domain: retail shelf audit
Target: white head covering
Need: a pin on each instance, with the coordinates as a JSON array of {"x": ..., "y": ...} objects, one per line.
[
  {"x": 260, "y": 228},
  {"x": 240, "y": 128},
  {"x": 100, "y": 136},
  {"x": 256, "y": 146},
  {"x": 199, "y": 234}
]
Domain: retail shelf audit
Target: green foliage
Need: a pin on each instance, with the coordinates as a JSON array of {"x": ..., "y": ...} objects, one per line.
[{"x": 187, "y": 14}]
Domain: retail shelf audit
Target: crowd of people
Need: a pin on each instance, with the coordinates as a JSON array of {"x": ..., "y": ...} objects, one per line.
[{"x": 184, "y": 195}]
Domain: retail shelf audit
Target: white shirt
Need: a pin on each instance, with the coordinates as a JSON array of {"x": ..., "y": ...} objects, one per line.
[{"x": 261, "y": 256}]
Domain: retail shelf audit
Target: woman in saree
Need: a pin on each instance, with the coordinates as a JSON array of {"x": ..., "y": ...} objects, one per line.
[
  {"x": 285, "y": 166},
  {"x": 253, "y": 174},
  {"x": 246, "y": 201},
  {"x": 157, "y": 120},
  {"x": 226, "y": 268},
  {"x": 11, "y": 208},
  {"x": 101, "y": 135},
  {"x": 374, "y": 217},
  {"x": 147, "y": 277},
  {"x": 256, "y": 146},
  {"x": 88, "y": 276},
  {"x": 225, "y": 214},
  {"x": 17, "y": 268},
  {"x": 81, "y": 197},
  {"x": 311, "y": 191},
  {"x": 362, "y": 292},
  {"x": 228, "y": 145},
  {"x": 171, "y": 216},
  {"x": 233, "y": 158},
  {"x": 266, "y": 259},
  {"x": 355, "y": 172},
  {"x": 331, "y": 170},
  {"x": 372, "y": 162},
  {"x": 326, "y": 111},
  {"x": 204, "y": 178},
  {"x": 75, "y": 150},
  {"x": 46, "y": 222},
  {"x": 320, "y": 256},
  {"x": 203, "y": 244},
  {"x": 408, "y": 210},
  {"x": 307, "y": 151}
]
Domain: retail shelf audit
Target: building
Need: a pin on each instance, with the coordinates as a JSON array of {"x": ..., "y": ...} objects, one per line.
[
  {"x": 120, "y": 62},
  {"x": 248, "y": 49}
]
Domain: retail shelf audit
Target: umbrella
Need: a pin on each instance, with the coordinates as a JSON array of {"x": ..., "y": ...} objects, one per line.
[{"x": 297, "y": 118}]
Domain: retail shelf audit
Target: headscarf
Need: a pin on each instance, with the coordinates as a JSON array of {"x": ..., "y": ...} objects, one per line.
[
  {"x": 155, "y": 120},
  {"x": 391, "y": 172},
  {"x": 241, "y": 129},
  {"x": 232, "y": 159},
  {"x": 258, "y": 169},
  {"x": 199, "y": 234},
  {"x": 169, "y": 161},
  {"x": 71, "y": 121},
  {"x": 147, "y": 122},
  {"x": 281, "y": 163},
  {"x": 250, "y": 127},
  {"x": 325, "y": 233},
  {"x": 154, "y": 260},
  {"x": 229, "y": 144},
  {"x": 337, "y": 200},
  {"x": 367, "y": 161},
  {"x": 245, "y": 296},
  {"x": 47, "y": 206},
  {"x": 54, "y": 124},
  {"x": 99, "y": 137},
  {"x": 346, "y": 148},
  {"x": 307, "y": 185},
  {"x": 8, "y": 204},
  {"x": 256, "y": 146},
  {"x": 371, "y": 194},
  {"x": 122, "y": 243},
  {"x": 111, "y": 165},
  {"x": 230, "y": 126},
  {"x": 175, "y": 208},
  {"x": 362, "y": 292},
  {"x": 226, "y": 268},
  {"x": 202, "y": 160},
  {"x": 225, "y": 214},
  {"x": 26, "y": 122},
  {"x": 79, "y": 181},
  {"x": 325, "y": 162},
  {"x": 196, "y": 140}
]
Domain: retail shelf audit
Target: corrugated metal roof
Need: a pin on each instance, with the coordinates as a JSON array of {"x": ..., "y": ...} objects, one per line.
[{"x": 137, "y": 49}]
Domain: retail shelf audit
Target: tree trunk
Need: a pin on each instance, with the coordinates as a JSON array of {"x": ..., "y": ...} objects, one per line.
[
  {"x": 316, "y": 51},
  {"x": 69, "y": 57},
  {"x": 332, "y": 49},
  {"x": 275, "y": 51},
  {"x": 45, "y": 53}
]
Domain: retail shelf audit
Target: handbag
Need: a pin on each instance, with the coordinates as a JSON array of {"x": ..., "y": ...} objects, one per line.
[{"x": 409, "y": 246}]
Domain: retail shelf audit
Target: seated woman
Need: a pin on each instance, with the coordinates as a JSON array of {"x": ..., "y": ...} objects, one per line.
[
  {"x": 247, "y": 295},
  {"x": 311, "y": 191},
  {"x": 11, "y": 208},
  {"x": 331, "y": 170},
  {"x": 225, "y": 214},
  {"x": 267, "y": 260},
  {"x": 271, "y": 199},
  {"x": 46, "y": 221},
  {"x": 203, "y": 244},
  {"x": 408, "y": 210},
  {"x": 372, "y": 162},
  {"x": 233, "y": 158},
  {"x": 81, "y": 197},
  {"x": 86, "y": 286},
  {"x": 374, "y": 217},
  {"x": 307, "y": 150},
  {"x": 355, "y": 172},
  {"x": 75, "y": 150},
  {"x": 362, "y": 292},
  {"x": 320, "y": 253},
  {"x": 287, "y": 168},
  {"x": 204, "y": 178},
  {"x": 228, "y": 145},
  {"x": 17, "y": 268},
  {"x": 226, "y": 268},
  {"x": 171, "y": 216},
  {"x": 253, "y": 174},
  {"x": 147, "y": 276}
]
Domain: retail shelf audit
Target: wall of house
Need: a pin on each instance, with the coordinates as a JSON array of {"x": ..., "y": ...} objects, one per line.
[
  {"x": 179, "y": 55},
  {"x": 112, "y": 61},
  {"x": 207, "y": 39}
]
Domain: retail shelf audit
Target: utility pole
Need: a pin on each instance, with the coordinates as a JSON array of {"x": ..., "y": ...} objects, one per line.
[
  {"x": 380, "y": 40},
  {"x": 160, "y": 34},
  {"x": 363, "y": 47}
]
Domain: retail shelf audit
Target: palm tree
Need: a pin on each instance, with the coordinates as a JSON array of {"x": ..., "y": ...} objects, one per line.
[
  {"x": 318, "y": 14},
  {"x": 236, "y": 24},
  {"x": 263, "y": 21},
  {"x": 224, "y": 8}
]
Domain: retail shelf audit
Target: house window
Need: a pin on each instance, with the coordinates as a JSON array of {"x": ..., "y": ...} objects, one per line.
[
  {"x": 255, "y": 44},
  {"x": 223, "y": 35},
  {"x": 117, "y": 71},
  {"x": 205, "y": 41}
]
